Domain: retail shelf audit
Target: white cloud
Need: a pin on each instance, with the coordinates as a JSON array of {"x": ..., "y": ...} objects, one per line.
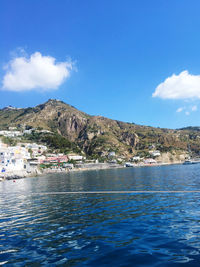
[
  {"x": 187, "y": 110},
  {"x": 179, "y": 109},
  {"x": 182, "y": 86},
  {"x": 35, "y": 72},
  {"x": 194, "y": 108}
]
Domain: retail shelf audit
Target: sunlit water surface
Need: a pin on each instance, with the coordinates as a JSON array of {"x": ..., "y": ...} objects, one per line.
[{"x": 143, "y": 229}]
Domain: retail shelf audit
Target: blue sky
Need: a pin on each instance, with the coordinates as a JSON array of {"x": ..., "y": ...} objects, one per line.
[{"x": 110, "y": 56}]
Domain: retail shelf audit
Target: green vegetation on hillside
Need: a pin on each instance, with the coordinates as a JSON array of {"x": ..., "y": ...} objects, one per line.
[
  {"x": 53, "y": 141},
  {"x": 9, "y": 141}
]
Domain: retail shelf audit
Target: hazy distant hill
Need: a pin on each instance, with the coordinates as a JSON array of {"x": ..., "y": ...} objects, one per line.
[{"x": 96, "y": 135}]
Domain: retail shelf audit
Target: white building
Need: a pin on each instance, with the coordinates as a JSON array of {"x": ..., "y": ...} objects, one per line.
[
  {"x": 136, "y": 158},
  {"x": 13, "y": 158},
  {"x": 27, "y": 131},
  {"x": 155, "y": 153},
  {"x": 11, "y": 133},
  {"x": 75, "y": 157}
]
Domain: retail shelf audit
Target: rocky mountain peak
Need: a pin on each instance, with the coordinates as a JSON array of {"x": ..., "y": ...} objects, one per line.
[{"x": 96, "y": 134}]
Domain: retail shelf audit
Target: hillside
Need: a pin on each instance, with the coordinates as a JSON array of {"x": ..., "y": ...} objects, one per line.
[{"x": 96, "y": 135}]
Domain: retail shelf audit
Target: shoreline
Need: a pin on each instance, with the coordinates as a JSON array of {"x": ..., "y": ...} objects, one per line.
[
  {"x": 24, "y": 174},
  {"x": 15, "y": 175}
]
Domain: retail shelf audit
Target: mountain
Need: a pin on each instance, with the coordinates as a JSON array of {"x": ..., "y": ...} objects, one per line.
[{"x": 97, "y": 135}]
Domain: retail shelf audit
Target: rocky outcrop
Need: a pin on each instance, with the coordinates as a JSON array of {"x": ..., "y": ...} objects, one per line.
[
  {"x": 71, "y": 126},
  {"x": 131, "y": 139}
]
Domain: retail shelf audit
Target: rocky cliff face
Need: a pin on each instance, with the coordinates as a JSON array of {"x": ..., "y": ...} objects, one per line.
[
  {"x": 173, "y": 156},
  {"x": 98, "y": 135}
]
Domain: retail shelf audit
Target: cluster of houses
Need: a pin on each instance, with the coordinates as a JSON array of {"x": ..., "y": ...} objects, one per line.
[
  {"x": 28, "y": 156},
  {"x": 150, "y": 160},
  {"x": 14, "y": 132},
  {"x": 19, "y": 157},
  {"x": 13, "y": 158}
]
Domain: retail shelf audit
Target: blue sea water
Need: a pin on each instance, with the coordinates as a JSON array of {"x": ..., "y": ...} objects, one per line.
[{"x": 135, "y": 229}]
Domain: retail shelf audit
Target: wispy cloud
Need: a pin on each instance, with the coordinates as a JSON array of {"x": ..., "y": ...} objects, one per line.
[
  {"x": 181, "y": 86},
  {"x": 187, "y": 110},
  {"x": 35, "y": 72},
  {"x": 180, "y": 109},
  {"x": 194, "y": 108}
]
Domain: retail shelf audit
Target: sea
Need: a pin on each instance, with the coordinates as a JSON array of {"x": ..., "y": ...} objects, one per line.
[{"x": 145, "y": 216}]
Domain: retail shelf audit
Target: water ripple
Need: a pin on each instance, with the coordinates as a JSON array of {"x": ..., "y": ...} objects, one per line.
[{"x": 102, "y": 229}]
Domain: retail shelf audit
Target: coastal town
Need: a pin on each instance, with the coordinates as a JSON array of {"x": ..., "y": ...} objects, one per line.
[
  {"x": 100, "y": 133},
  {"x": 22, "y": 159}
]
